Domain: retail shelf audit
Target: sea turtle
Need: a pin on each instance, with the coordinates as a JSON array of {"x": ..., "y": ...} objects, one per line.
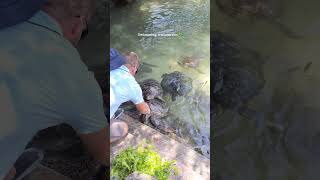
[
  {"x": 162, "y": 125},
  {"x": 158, "y": 109},
  {"x": 151, "y": 89},
  {"x": 190, "y": 62},
  {"x": 176, "y": 84},
  {"x": 237, "y": 75},
  {"x": 267, "y": 10},
  {"x": 157, "y": 117},
  {"x": 237, "y": 72},
  {"x": 240, "y": 85}
]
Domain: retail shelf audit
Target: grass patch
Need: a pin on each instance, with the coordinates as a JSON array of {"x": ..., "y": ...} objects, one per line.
[{"x": 143, "y": 159}]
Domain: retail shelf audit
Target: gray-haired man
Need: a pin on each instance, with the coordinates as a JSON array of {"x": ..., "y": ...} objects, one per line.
[{"x": 43, "y": 81}]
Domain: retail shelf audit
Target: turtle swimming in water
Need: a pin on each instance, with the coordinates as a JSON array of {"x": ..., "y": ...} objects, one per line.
[
  {"x": 176, "y": 84},
  {"x": 151, "y": 89},
  {"x": 266, "y": 10},
  {"x": 157, "y": 117},
  {"x": 237, "y": 77},
  {"x": 190, "y": 62},
  {"x": 238, "y": 72}
]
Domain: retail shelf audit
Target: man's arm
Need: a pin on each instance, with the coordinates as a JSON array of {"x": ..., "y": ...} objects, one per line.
[
  {"x": 143, "y": 108},
  {"x": 137, "y": 99},
  {"x": 97, "y": 144},
  {"x": 83, "y": 109}
]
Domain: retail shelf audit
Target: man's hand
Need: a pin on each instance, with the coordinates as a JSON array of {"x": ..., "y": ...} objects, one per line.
[
  {"x": 98, "y": 145},
  {"x": 143, "y": 108}
]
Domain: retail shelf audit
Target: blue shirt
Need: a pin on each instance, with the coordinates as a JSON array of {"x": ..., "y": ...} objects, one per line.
[
  {"x": 116, "y": 59},
  {"x": 123, "y": 88},
  {"x": 43, "y": 82}
]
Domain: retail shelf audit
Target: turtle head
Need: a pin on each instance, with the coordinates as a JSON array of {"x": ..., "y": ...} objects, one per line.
[
  {"x": 160, "y": 98},
  {"x": 148, "y": 97}
]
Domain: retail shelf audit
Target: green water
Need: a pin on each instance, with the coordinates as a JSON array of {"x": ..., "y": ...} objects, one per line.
[
  {"x": 290, "y": 98},
  {"x": 190, "y": 20}
]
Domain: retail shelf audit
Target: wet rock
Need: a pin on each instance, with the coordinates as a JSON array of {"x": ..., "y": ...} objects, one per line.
[
  {"x": 64, "y": 152},
  {"x": 41, "y": 173},
  {"x": 55, "y": 139}
]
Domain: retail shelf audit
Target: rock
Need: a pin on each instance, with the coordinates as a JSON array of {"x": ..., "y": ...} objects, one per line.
[
  {"x": 64, "y": 152},
  {"x": 138, "y": 176}
]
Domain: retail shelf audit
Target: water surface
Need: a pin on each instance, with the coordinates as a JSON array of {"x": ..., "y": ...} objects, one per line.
[{"x": 290, "y": 99}]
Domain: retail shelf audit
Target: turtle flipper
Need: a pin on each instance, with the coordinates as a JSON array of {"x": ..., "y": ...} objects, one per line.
[
  {"x": 199, "y": 71},
  {"x": 144, "y": 118},
  {"x": 160, "y": 98}
]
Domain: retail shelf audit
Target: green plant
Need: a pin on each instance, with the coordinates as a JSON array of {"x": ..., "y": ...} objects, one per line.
[{"x": 143, "y": 159}]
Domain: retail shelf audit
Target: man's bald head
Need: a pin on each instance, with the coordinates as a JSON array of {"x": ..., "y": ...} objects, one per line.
[
  {"x": 132, "y": 62},
  {"x": 132, "y": 58}
]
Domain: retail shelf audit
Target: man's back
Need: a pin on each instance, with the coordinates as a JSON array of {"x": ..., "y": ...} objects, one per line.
[
  {"x": 42, "y": 82},
  {"x": 123, "y": 87}
]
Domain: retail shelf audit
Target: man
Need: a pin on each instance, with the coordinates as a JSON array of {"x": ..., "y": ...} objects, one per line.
[
  {"x": 43, "y": 81},
  {"x": 123, "y": 88}
]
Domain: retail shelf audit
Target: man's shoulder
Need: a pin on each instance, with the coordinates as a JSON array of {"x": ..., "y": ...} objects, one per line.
[
  {"x": 121, "y": 77},
  {"x": 37, "y": 47},
  {"x": 133, "y": 82},
  {"x": 122, "y": 80}
]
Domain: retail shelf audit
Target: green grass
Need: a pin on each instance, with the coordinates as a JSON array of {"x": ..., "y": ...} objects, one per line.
[{"x": 143, "y": 159}]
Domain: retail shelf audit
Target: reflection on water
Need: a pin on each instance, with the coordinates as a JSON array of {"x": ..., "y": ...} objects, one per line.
[
  {"x": 287, "y": 147},
  {"x": 189, "y": 21}
]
